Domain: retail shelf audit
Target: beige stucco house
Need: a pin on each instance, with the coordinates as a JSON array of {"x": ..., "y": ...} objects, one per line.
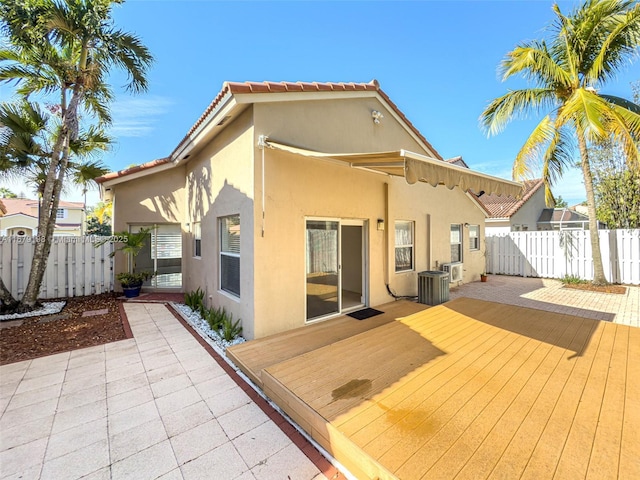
[
  {"x": 515, "y": 214},
  {"x": 21, "y": 218},
  {"x": 289, "y": 203}
]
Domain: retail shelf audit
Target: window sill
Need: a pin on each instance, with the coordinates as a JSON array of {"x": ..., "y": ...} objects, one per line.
[{"x": 229, "y": 295}]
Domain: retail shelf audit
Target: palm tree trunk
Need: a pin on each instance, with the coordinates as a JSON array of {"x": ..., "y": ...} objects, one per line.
[
  {"x": 49, "y": 209},
  {"x": 8, "y": 303},
  {"x": 598, "y": 268}
]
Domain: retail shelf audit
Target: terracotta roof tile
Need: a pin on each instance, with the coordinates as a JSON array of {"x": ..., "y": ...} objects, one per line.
[
  {"x": 129, "y": 171},
  {"x": 230, "y": 88},
  {"x": 25, "y": 206},
  {"x": 506, "y": 206},
  {"x": 273, "y": 87}
]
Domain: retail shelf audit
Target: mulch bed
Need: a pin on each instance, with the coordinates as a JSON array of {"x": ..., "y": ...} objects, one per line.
[
  {"x": 68, "y": 330},
  {"x": 619, "y": 289}
]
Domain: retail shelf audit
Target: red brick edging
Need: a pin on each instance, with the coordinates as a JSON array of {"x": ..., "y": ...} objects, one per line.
[
  {"x": 125, "y": 321},
  {"x": 327, "y": 469}
]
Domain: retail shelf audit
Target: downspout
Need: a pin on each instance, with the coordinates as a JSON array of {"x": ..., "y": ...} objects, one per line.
[
  {"x": 387, "y": 273},
  {"x": 262, "y": 144}
]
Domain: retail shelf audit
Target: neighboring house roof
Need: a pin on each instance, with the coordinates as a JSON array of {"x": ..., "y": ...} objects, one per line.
[
  {"x": 25, "y": 206},
  {"x": 505, "y": 206},
  {"x": 230, "y": 89},
  {"x": 561, "y": 215},
  {"x": 457, "y": 161}
]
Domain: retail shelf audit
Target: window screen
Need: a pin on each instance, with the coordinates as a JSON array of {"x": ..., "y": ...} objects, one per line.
[{"x": 230, "y": 254}]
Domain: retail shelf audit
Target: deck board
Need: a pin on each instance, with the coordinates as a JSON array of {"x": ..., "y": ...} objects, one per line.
[
  {"x": 253, "y": 357},
  {"x": 469, "y": 389}
]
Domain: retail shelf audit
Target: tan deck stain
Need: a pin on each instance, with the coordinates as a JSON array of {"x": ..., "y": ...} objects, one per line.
[
  {"x": 468, "y": 389},
  {"x": 352, "y": 389}
]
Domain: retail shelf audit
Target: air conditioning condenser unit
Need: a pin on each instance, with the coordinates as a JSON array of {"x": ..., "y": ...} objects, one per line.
[{"x": 455, "y": 271}]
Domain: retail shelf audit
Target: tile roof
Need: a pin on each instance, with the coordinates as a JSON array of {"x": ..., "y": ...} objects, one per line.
[
  {"x": 506, "y": 206},
  {"x": 24, "y": 205},
  {"x": 3, "y": 209},
  {"x": 284, "y": 87},
  {"x": 129, "y": 171},
  {"x": 231, "y": 88},
  {"x": 564, "y": 215},
  {"x": 457, "y": 161}
]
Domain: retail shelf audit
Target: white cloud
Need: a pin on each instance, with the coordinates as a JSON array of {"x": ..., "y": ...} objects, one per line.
[{"x": 136, "y": 117}]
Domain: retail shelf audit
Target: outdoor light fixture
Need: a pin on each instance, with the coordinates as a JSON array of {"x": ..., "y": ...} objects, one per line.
[
  {"x": 377, "y": 116},
  {"x": 381, "y": 224}
]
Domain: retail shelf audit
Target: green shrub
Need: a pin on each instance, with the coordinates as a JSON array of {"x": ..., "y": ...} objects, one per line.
[
  {"x": 195, "y": 300},
  {"x": 230, "y": 329},
  {"x": 214, "y": 317},
  {"x": 572, "y": 279}
]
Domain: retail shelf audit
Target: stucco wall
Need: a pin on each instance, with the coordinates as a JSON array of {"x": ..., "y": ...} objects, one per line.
[
  {"x": 301, "y": 187},
  {"x": 529, "y": 213},
  {"x": 155, "y": 198},
  {"x": 220, "y": 183},
  {"x": 12, "y": 222}
]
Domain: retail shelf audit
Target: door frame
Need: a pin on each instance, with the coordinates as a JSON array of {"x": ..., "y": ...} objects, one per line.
[{"x": 363, "y": 223}]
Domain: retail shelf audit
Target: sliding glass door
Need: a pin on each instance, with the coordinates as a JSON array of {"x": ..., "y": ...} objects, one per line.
[
  {"x": 322, "y": 268},
  {"x": 162, "y": 253},
  {"x": 335, "y": 266}
]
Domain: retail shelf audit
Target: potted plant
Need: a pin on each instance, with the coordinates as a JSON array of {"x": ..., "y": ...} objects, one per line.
[
  {"x": 483, "y": 277},
  {"x": 132, "y": 282},
  {"x": 132, "y": 243}
]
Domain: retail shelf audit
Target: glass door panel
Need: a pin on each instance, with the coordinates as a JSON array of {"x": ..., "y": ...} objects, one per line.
[
  {"x": 162, "y": 254},
  {"x": 322, "y": 268}
]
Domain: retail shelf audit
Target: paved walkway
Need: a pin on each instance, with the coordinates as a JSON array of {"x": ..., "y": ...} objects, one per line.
[
  {"x": 154, "y": 406},
  {"x": 548, "y": 294}
]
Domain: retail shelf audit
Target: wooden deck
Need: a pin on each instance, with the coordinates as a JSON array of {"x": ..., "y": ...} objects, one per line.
[
  {"x": 253, "y": 357},
  {"x": 468, "y": 389}
]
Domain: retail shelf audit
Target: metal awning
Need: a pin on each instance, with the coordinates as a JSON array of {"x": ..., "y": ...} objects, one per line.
[{"x": 415, "y": 167}]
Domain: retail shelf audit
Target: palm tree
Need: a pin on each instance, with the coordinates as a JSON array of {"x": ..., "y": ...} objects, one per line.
[
  {"x": 65, "y": 49},
  {"x": 584, "y": 51}
]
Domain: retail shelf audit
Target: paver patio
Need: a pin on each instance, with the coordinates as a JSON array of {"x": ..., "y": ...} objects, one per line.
[
  {"x": 154, "y": 406},
  {"x": 548, "y": 294}
]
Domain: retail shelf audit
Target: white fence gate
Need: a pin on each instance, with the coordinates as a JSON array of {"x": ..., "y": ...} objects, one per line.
[
  {"x": 554, "y": 254},
  {"x": 76, "y": 266}
]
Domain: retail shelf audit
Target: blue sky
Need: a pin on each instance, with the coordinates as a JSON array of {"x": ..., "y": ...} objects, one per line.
[{"x": 437, "y": 60}]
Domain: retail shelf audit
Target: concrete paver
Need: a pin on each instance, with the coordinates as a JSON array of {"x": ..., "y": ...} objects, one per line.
[
  {"x": 548, "y": 294},
  {"x": 154, "y": 406}
]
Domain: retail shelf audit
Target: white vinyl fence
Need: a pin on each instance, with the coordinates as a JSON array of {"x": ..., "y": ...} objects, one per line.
[
  {"x": 554, "y": 254},
  {"x": 76, "y": 266}
]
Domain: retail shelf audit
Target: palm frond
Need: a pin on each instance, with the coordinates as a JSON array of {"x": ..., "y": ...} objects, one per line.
[
  {"x": 535, "y": 62},
  {"x": 588, "y": 111},
  {"x": 618, "y": 39},
  {"x": 622, "y": 102},
  {"x": 515, "y": 104},
  {"x": 127, "y": 52}
]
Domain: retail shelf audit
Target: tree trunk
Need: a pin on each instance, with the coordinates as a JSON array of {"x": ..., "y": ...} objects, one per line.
[
  {"x": 598, "y": 268},
  {"x": 8, "y": 302},
  {"x": 50, "y": 202}
]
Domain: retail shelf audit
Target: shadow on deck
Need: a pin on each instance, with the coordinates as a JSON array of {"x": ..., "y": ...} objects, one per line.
[{"x": 467, "y": 389}]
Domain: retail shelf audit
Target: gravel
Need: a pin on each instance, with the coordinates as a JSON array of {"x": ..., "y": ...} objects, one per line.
[
  {"x": 196, "y": 321},
  {"x": 48, "y": 308}
]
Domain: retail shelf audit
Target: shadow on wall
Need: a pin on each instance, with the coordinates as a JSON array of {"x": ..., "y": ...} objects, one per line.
[{"x": 199, "y": 198}]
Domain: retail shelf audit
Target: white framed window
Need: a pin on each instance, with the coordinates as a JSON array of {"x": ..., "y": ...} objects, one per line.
[
  {"x": 474, "y": 237},
  {"x": 456, "y": 242},
  {"x": 197, "y": 240},
  {"x": 230, "y": 254},
  {"x": 61, "y": 213},
  {"x": 404, "y": 246}
]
